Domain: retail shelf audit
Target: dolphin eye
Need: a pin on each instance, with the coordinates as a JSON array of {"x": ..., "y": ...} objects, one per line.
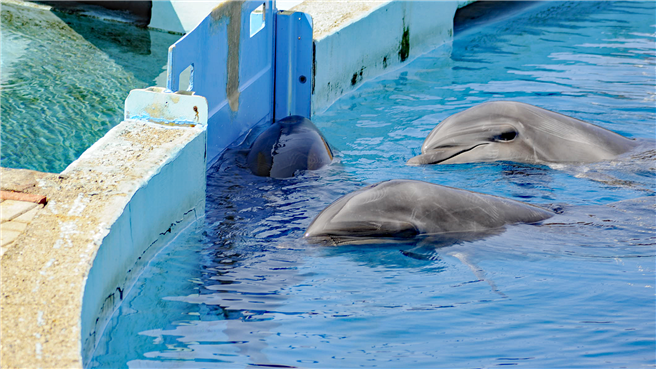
[{"x": 506, "y": 136}]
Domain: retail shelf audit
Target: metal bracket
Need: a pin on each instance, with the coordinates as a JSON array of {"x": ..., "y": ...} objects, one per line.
[{"x": 293, "y": 83}]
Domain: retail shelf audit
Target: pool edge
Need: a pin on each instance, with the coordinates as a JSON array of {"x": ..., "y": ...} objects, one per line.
[{"x": 66, "y": 273}]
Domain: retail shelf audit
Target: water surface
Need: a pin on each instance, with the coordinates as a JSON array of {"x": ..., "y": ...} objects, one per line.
[{"x": 65, "y": 79}]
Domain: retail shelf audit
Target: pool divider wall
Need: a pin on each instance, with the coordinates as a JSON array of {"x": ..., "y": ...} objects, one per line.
[
  {"x": 355, "y": 41},
  {"x": 107, "y": 214}
]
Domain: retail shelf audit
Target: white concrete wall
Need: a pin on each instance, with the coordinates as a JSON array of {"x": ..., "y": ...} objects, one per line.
[
  {"x": 355, "y": 41},
  {"x": 161, "y": 207}
]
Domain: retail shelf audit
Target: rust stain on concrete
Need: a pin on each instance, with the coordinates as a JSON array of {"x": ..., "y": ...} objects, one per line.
[{"x": 231, "y": 10}]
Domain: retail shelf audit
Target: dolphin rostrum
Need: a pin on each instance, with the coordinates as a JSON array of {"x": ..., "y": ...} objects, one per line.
[
  {"x": 402, "y": 209},
  {"x": 514, "y": 131}
]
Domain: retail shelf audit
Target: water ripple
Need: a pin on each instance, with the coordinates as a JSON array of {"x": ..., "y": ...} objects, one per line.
[{"x": 62, "y": 91}]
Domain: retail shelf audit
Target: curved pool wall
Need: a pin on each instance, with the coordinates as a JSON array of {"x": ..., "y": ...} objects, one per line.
[
  {"x": 129, "y": 194},
  {"x": 107, "y": 214}
]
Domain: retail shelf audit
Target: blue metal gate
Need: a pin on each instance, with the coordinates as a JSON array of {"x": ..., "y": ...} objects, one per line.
[{"x": 233, "y": 54}]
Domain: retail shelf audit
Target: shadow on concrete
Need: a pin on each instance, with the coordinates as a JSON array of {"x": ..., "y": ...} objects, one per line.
[{"x": 135, "y": 12}]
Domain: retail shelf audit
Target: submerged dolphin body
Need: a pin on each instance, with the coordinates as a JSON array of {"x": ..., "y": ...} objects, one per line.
[
  {"x": 401, "y": 209},
  {"x": 290, "y": 144},
  {"x": 514, "y": 131}
]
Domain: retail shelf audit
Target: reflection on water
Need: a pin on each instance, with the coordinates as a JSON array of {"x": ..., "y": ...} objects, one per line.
[
  {"x": 243, "y": 289},
  {"x": 65, "y": 79}
]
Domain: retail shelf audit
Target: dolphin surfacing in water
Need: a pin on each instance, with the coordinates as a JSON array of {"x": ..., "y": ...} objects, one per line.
[
  {"x": 290, "y": 144},
  {"x": 514, "y": 131},
  {"x": 402, "y": 209}
]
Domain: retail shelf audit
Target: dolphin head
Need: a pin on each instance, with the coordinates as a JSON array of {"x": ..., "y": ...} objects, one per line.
[
  {"x": 290, "y": 144},
  {"x": 403, "y": 209},
  {"x": 371, "y": 212},
  {"x": 486, "y": 132},
  {"x": 514, "y": 131}
]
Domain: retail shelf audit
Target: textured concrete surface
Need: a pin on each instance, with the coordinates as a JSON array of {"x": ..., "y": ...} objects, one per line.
[
  {"x": 17, "y": 209},
  {"x": 45, "y": 270},
  {"x": 16, "y": 215},
  {"x": 330, "y": 16}
]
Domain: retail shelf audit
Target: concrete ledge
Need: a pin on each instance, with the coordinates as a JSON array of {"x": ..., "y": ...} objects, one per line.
[{"x": 107, "y": 213}]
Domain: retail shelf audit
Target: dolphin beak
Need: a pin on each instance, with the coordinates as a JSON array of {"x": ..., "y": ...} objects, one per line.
[
  {"x": 437, "y": 156},
  {"x": 430, "y": 158}
]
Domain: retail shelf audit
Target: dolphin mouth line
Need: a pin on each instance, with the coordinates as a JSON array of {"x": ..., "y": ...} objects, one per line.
[
  {"x": 449, "y": 157},
  {"x": 463, "y": 151}
]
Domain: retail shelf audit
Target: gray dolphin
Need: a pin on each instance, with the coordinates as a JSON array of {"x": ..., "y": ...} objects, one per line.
[
  {"x": 398, "y": 209},
  {"x": 290, "y": 144},
  {"x": 514, "y": 131}
]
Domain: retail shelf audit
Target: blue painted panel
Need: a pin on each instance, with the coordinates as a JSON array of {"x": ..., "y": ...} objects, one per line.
[
  {"x": 293, "y": 65},
  {"x": 231, "y": 68},
  {"x": 232, "y": 53}
]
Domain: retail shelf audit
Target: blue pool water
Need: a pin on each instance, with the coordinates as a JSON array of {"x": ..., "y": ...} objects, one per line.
[
  {"x": 65, "y": 79},
  {"x": 242, "y": 289}
]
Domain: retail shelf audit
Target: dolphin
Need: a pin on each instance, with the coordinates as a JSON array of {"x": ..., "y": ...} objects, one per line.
[
  {"x": 403, "y": 209},
  {"x": 514, "y": 131},
  {"x": 290, "y": 144}
]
